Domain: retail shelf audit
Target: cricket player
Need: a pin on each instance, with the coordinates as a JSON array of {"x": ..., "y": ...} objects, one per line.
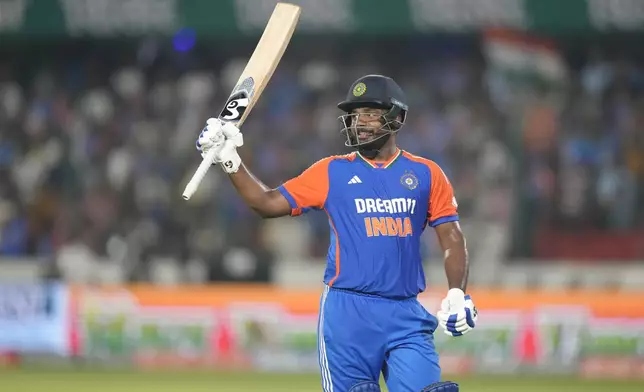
[{"x": 379, "y": 199}]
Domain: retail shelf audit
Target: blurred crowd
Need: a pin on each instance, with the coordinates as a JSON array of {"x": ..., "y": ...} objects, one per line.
[
  {"x": 97, "y": 143},
  {"x": 588, "y": 169},
  {"x": 580, "y": 177}
]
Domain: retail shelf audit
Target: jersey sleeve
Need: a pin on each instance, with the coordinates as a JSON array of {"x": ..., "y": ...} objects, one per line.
[
  {"x": 308, "y": 190},
  {"x": 442, "y": 203}
]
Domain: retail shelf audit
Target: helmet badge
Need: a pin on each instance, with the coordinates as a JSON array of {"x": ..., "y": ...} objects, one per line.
[{"x": 359, "y": 89}]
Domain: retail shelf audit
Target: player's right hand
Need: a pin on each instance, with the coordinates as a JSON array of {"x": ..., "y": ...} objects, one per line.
[
  {"x": 212, "y": 136},
  {"x": 225, "y": 137}
]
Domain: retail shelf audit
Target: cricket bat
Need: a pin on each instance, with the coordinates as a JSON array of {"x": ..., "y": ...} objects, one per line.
[{"x": 254, "y": 78}]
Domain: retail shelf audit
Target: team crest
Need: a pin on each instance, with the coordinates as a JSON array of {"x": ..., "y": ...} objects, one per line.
[
  {"x": 359, "y": 89},
  {"x": 409, "y": 181}
]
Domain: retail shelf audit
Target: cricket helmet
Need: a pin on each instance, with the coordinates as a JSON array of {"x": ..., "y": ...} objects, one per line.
[{"x": 378, "y": 92}]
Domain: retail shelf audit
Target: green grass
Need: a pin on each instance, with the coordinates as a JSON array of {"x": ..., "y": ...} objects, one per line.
[{"x": 123, "y": 381}]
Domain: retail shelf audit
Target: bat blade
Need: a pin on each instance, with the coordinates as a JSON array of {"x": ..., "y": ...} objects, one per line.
[{"x": 254, "y": 78}]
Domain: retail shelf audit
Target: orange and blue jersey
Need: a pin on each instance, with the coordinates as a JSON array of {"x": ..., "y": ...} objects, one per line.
[{"x": 377, "y": 212}]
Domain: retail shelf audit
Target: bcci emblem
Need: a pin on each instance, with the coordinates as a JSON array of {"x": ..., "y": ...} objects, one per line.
[
  {"x": 359, "y": 89},
  {"x": 409, "y": 181}
]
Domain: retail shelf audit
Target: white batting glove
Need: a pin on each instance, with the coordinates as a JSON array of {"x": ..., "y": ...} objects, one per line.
[
  {"x": 227, "y": 155},
  {"x": 458, "y": 314},
  {"x": 212, "y": 136}
]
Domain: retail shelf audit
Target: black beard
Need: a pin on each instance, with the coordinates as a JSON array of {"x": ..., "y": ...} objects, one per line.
[{"x": 370, "y": 150}]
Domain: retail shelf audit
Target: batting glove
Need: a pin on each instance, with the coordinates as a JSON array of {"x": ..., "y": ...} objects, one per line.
[
  {"x": 212, "y": 136},
  {"x": 458, "y": 314},
  {"x": 227, "y": 155}
]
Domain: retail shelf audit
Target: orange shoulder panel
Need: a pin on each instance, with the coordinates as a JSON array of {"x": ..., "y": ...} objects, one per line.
[
  {"x": 310, "y": 189},
  {"x": 442, "y": 202}
]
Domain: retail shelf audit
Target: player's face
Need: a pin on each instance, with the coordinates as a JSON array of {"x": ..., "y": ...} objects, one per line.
[{"x": 367, "y": 123}]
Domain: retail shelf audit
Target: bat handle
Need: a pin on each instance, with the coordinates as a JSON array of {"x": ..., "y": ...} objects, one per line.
[{"x": 196, "y": 179}]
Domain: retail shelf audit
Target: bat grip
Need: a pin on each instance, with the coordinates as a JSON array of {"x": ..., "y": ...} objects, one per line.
[{"x": 200, "y": 173}]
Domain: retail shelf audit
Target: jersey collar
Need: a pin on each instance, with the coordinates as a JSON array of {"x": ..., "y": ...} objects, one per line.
[{"x": 381, "y": 165}]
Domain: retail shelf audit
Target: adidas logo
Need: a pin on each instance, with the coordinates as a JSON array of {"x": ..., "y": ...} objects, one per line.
[{"x": 355, "y": 180}]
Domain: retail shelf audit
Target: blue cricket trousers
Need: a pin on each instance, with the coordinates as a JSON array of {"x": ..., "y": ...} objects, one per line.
[{"x": 360, "y": 335}]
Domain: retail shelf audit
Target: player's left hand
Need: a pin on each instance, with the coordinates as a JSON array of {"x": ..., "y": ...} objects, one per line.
[{"x": 458, "y": 314}]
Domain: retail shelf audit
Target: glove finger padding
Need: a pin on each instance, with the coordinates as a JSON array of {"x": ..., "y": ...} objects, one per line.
[
  {"x": 455, "y": 325},
  {"x": 199, "y": 139},
  {"x": 209, "y": 140},
  {"x": 207, "y": 145},
  {"x": 471, "y": 311},
  {"x": 467, "y": 317},
  {"x": 230, "y": 130},
  {"x": 471, "y": 316},
  {"x": 448, "y": 333},
  {"x": 456, "y": 322}
]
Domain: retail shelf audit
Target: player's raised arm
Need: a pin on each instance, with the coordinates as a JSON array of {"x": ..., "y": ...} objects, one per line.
[
  {"x": 226, "y": 137},
  {"x": 267, "y": 202},
  {"x": 306, "y": 191}
]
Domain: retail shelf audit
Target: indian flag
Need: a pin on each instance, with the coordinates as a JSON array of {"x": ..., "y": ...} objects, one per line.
[{"x": 523, "y": 55}]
